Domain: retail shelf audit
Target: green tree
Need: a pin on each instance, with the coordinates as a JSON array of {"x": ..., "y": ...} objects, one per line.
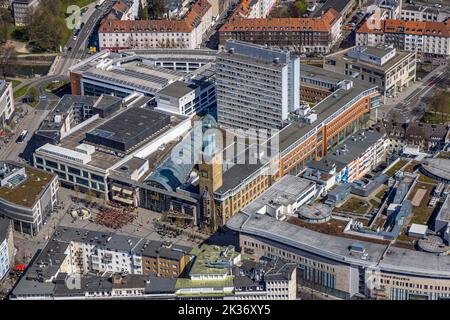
[
  {"x": 156, "y": 9},
  {"x": 6, "y": 20},
  {"x": 143, "y": 12}
]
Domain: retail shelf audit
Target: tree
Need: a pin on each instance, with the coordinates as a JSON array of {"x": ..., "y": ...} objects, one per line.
[
  {"x": 156, "y": 9},
  {"x": 8, "y": 58},
  {"x": 46, "y": 31},
  {"x": 143, "y": 12},
  {"x": 6, "y": 19}
]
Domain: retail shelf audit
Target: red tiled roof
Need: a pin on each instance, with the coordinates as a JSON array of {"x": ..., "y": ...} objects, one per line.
[
  {"x": 323, "y": 23},
  {"x": 187, "y": 24},
  {"x": 408, "y": 27}
]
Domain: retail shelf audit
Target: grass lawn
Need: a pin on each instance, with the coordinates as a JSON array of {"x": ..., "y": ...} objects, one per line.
[
  {"x": 382, "y": 193},
  {"x": 435, "y": 118},
  {"x": 355, "y": 205},
  {"x": 396, "y": 167},
  {"x": 412, "y": 166},
  {"x": 421, "y": 213},
  {"x": 15, "y": 83},
  {"x": 424, "y": 178},
  {"x": 21, "y": 92}
]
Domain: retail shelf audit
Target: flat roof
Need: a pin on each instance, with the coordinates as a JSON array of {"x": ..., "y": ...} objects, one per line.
[
  {"x": 288, "y": 234},
  {"x": 284, "y": 192},
  {"x": 28, "y": 192},
  {"x": 438, "y": 167},
  {"x": 206, "y": 254},
  {"x": 177, "y": 89},
  {"x": 325, "y": 108},
  {"x": 129, "y": 125},
  {"x": 356, "y": 145},
  {"x": 376, "y": 51},
  {"x": 405, "y": 261}
]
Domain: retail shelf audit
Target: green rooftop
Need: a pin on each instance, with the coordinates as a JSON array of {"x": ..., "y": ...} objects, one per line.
[
  {"x": 27, "y": 192},
  {"x": 210, "y": 254},
  {"x": 183, "y": 283}
]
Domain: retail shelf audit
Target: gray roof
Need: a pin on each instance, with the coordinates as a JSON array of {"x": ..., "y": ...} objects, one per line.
[
  {"x": 356, "y": 145},
  {"x": 326, "y": 108},
  {"x": 438, "y": 167},
  {"x": 177, "y": 89},
  {"x": 284, "y": 192},
  {"x": 406, "y": 261},
  {"x": 287, "y": 234}
]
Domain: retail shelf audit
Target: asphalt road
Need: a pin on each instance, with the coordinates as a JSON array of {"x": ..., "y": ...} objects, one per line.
[
  {"x": 78, "y": 47},
  {"x": 412, "y": 107}
]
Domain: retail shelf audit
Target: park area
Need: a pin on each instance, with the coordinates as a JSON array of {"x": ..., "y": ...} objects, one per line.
[{"x": 439, "y": 109}]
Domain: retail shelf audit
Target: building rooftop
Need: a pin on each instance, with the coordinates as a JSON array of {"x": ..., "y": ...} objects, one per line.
[
  {"x": 27, "y": 191},
  {"x": 187, "y": 24},
  {"x": 379, "y": 52},
  {"x": 342, "y": 155},
  {"x": 126, "y": 70},
  {"x": 212, "y": 260},
  {"x": 438, "y": 167},
  {"x": 177, "y": 89},
  {"x": 3, "y": 86},
  {"x": 129, "y": 129},
  {"x": 437, "y": 29},
  {"x": 406, "y": 261},
  {"x": 293, "y": 236},
  {"x": 284, "y": 192},
  {"x": 340, "y": 98}
]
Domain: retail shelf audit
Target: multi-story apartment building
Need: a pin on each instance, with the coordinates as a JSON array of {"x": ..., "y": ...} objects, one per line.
[
  {"x": 22, "y": 10},
  {"x": 257, "y": 87},
  {"x": 6, "y": 102},
  {"x": 360, "y": 153},
  {"x": 423, "y": 13},
  {"x": 429, "y": 38},
  {"x": 302, "y": 35},
  {"x": 391, "y": 70},
  {"x": 27, "y": 196},
  {"x": 92, "y": 252},
  {"x": 185, "y": 33},
  {"x": 6, "y": 246}
]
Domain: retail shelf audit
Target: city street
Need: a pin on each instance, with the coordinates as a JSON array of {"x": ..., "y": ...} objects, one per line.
[{"x": 408, "y": 104}]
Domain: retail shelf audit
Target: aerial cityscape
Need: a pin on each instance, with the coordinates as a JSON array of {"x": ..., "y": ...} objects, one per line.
[{"x": 240, "y": 150}]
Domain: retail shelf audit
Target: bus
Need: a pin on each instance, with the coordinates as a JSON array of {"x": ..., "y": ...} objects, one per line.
[{"x": 22, "y": 136}]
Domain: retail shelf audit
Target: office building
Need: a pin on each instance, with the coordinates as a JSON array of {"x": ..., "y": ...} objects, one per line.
[
  {"x": 6, "y": 103},
  {"x": 6, "y": 247},
  {"x": 344, "y": 266},
  {"x": 186, "y": 98},
  {"x": 257, "y": 87},
  {"x": 391, "y": 70},
  {"x": 22, "y": 10},
  {"x": 27, "y": 196}
]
